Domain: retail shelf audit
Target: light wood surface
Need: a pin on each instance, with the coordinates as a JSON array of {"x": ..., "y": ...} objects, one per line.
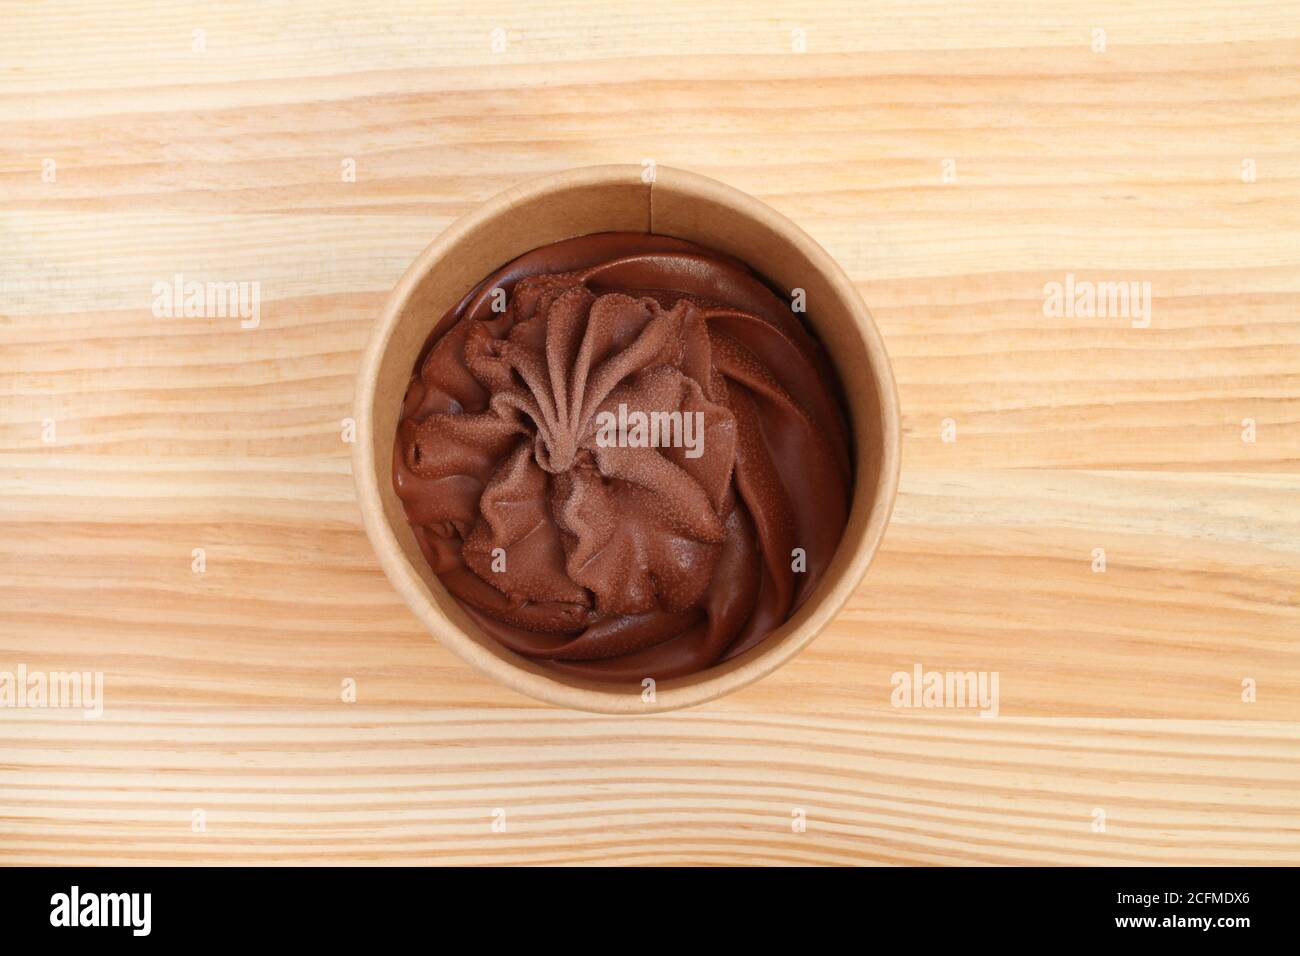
[{"x": 1120, "y": 692}]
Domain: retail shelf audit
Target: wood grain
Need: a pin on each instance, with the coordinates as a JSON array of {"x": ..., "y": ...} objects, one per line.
[
  {"x": 1120, "y": 691},
  {"x": 414, "y": 785}
]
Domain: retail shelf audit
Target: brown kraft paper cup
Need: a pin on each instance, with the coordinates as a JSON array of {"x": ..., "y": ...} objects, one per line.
[{"x": 595, "y": 199}]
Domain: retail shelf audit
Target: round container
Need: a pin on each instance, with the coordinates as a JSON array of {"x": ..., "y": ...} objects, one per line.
[{"x": 670, "y": 202}]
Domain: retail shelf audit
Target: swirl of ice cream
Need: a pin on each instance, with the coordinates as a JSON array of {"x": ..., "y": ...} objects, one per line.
[{"x": 625, "y": 456}]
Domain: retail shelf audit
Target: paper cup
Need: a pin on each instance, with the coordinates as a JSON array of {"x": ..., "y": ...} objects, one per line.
[{"x": 594, "y": 199}]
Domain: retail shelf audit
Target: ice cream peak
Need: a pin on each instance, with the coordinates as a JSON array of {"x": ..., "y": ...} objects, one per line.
[{"x": 625, "y": 456}]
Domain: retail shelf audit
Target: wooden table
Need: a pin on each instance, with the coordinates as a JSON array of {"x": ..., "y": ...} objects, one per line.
[{"x": 956, "y": 161}]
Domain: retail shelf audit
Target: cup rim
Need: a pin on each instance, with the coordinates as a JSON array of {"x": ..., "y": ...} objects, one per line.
[{"x": 529, "y": 677}]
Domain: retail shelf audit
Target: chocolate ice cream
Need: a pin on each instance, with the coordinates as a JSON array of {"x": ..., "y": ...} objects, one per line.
[{"x": 625, "y": 456}]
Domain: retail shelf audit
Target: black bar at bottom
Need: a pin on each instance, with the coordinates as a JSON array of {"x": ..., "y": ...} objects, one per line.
[{"x": 333, "y": 906}]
